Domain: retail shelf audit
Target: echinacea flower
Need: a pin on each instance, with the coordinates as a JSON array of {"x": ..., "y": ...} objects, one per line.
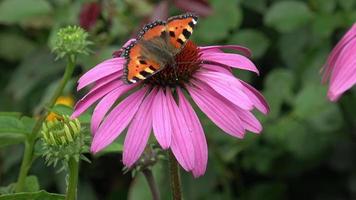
[
  {"x": 89, "y": 15},
  {"x": 160, "y": 103},
  {"x": 340, "y": 67}
]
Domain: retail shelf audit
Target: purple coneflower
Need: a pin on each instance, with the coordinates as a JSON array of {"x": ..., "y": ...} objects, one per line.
[
  {"x": 340, "y": 66},
  {"x": 160, "y": 103},
  {"x": 89, "y": 15}
]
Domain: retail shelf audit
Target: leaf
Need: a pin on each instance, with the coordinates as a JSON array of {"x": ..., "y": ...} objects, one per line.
[
  {"x": 40, "y": 195},
  {"x": 253, "y": 39},
  {"x": 31, "y": 184},
  {"x": 12, "y": 131},
  {"x": 10, "y": 43},
  {"x": 27, "y": 75},
  {"x": 17, "y": 11},
  {"x": 287, "y": 16},
  {"x": 217, "y": 26},
  {"x": 279, "y": 89},
  {"x": 114, "y": 147}
]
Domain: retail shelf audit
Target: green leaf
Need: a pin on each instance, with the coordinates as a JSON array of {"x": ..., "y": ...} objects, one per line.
[
  {"x": 31, "y": 184},
  {"x": 217, "y": 26},
  {"x": 115, "y": 147},
  {"x": 40, "y": 195},
  {"x": 27, "y": 75},
  {"x": 287, "y": 16},
  {"x": 10, "y": 43},
  {"x": 12, "y": 131},
  {"x": 279, "y": 89},
  {"x": 256, "y": 5},
  {"x": 17, "y": 11},
  {"x": 253, "y": 39},
  {"x": 324, "y": 6}
]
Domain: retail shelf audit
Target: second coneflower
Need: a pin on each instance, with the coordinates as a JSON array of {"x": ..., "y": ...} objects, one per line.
[{"x": 157, "y": 96}]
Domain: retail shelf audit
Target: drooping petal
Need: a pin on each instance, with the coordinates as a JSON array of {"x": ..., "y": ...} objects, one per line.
[
  {"x": 107, "y": 79},
  {"x": 256, "y": 97},
  {"x": 105, "y": 104},
  {"x": 94, "y": 95},
  {"x": 249, "y": 121},
  {"x": 227, "y": 86},
  {"x": 330, "y": 63},
  {"x": 217, "y": 68},
  {"x": 118, "y": 53},
  {"x": 100, "y": 71},
  {"x": 182, "y": 145},
  {"x": 117, "y": 120},
  {"x": 197, "y": 134},
  {"x": 139, "y": 131},
  {"x": 161, "y": 121},
  {"x": 242, "y": 49},
  {"x": 229, "y": 59},
  {"x": 343, "y": 76},
  {"x": 216, "y": 108}
]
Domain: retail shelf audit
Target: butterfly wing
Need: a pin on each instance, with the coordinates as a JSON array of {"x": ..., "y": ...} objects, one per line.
[
  {"x": 180, "y": 28},
  {"x": 139, "y": 67}
]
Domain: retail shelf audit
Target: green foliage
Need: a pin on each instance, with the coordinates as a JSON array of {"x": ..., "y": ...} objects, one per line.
[
  {"x": 306, "y": 140},
  {"x": 40, "y": 195}
]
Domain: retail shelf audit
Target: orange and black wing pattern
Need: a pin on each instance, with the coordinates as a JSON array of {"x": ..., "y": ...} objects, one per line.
[
  {"x": 180, "y": 28},
  {"x": 138, "y": 67}
]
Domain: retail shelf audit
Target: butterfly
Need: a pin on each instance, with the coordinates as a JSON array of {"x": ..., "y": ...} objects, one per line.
[{"x": 156, "y": 46}]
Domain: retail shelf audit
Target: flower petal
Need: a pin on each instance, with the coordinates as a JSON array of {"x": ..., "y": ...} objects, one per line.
[
  {"x": 242, "y": 49},
  {"x": 105, "y": 104},
  {"x": 100, "y": 71},
  {"x": 229, "y": 59},
  {"x": 117, "y": 120},
  {"x": 249, "y": 121},
  {"x": 217, "y": 109},
  {"x": 217, "y": 68},
  {"x": 227, "y": 86},
  {"x": 107, "y": 79},
  {"x": 197, "y": 134},
  {"x": 256, "y": 97},
  {"x": 162, "y": 127},
  {"x": 182, "y": 145},
  {"x": 139, "y": 131},
  {"x": 94, "y": 95}
]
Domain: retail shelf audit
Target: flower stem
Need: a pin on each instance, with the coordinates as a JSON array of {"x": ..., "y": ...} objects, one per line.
[
  {"x": 175, "y": 177},
  {"x": 31, "y": 139},
  {"x": 152, "y": 183},
  {"x": 73, "y": 179}
]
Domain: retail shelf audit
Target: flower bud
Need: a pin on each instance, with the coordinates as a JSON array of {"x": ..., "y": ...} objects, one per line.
[
  {"x": 70, "y": 41},
  {"x": 62, "y": 139}
]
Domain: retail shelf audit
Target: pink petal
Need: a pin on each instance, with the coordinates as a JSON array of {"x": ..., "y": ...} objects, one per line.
[
  {"x": 217, "y": 109},
  {"x": 229, "y": 59},
  {"x": 330, "y": 63},
  {"x": 249, "y": 121},
  {"x": 100, "y": 71},
  {"x": 197, "y": 135},
  {"x": 244, "y": 50},
  {"x": 107, "y": 79},
  {"x": 105, "y": 104},
  {"x": 182, "y": 145},
  {"x": 162, "y": 127},
  {"x": 227, "y": 86},
  {"x": 138, "y": 132},
  {"x": 94, "y": 95},
  {"x": 256, "y": 97},
  {"x": 117, "y": 120},
  {"x": 217, "y": 68}
]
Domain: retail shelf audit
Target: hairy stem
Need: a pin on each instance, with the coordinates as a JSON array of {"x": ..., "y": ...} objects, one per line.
[
  {"x": 31, "y": 139},
  {"x": 152, "y": 183},
  {"x": 73, "y": 179},
  {"x": 176, "y": 187}
]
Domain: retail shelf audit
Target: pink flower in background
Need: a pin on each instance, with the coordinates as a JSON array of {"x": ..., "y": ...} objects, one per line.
[
  {"x": 340, "y": 67},
  {"x": 89, "y": 14},
  {"x": 160, "y": 104}
]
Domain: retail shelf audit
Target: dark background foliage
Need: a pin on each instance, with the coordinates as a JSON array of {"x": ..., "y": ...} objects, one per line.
[{"x": 306, "y": 150}]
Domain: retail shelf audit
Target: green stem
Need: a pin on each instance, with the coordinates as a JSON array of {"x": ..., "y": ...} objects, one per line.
[
  {"x": 152, "y": 183},
  {"x": 31, "y": 140},
  {"x": 73, "y": 179},
  {"x": 175, "y": 177}
]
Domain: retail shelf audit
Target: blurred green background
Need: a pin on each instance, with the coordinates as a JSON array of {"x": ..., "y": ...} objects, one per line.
[{"x": 307, "y": 149}]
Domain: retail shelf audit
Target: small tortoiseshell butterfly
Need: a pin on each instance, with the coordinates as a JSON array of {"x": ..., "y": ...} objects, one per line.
[{"x": 156, "y": 46}]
